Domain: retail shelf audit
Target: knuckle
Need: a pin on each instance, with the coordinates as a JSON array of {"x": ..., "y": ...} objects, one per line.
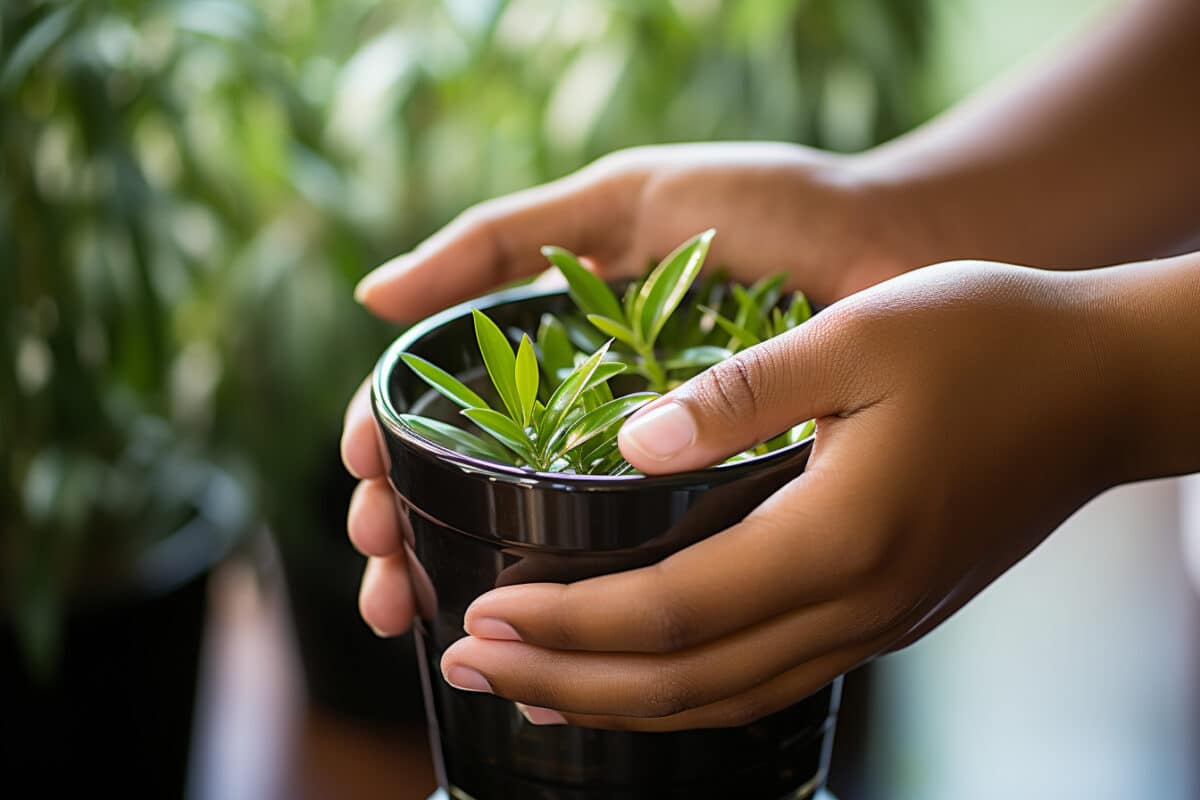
[
  {"x": 731, "y": 390},
  {"x": 673, "y": 625}
]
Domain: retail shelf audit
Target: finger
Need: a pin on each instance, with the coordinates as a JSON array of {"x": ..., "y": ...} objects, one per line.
[
  {"x": 373, "y": 522},
  {"x": 658, "y": 685},
  {"x": 500, "y": 241},
  {"x": 742, "y": 709},
  {"x": 760, "y": 392},
  {"x": 360, "y": 442},
  {"x": 385, "y": 599},
  {"x": 811, "y": 541}
]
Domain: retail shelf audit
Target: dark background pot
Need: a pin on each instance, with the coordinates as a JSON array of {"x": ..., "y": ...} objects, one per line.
[
  {"x": 116, "y": 716},
  {"x": 349, "y": 672},
  {"x": 476, "y": 525}
]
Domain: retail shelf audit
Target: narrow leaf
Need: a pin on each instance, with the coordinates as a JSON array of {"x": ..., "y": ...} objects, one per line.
[
  {"x": 700, "y": 356},
  {"x": 606, "y": 371},
  {"x": 457, "y": 439},
  {"x": 507, "y": 432},
  {"x": 500, "y": 362},
  {"x": 567, "y": 394},
  {"x": 604, "y": 420},
  {"x": 801, "y": 431},
  {"x": 443, "y": 382},
  {"x": 799, "y": 310},
  {"x": 583, "y": 334},
  {"x": 665, "y": 287},
  {"x": 556, "y": 350},
  {"x": 526, "y": 376},
  {"x": 629, "y": 301},
  {"x": 610, "y": 327},
  {"x": 590, "y": 293},
  {"x": 741, "y": 335}
]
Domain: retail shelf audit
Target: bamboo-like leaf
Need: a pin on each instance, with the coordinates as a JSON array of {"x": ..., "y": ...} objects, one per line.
[
  {"x": 748, "y": 315},
  {"x": 500, "y": 362},
  {"x": 743, "y": 336},
  {"x": 665, "y": 287},
  {"x": 605, "y": 371},
  {"x": 583, "y": 334},
  {"x": 442, "y": 381},
  {"x": 567, "y": 394},
  {"x": 702, "y": 356},
  {"x": 556, "y": 350},
  {"x": 457, "y": 439},
  {"x": 526, "y": 375},
  {"x": 504, "y": 430},
  {"x": 801, "y": 431},
  {"x": 765, "y": 291},
  {"x": 610, "y": 327},
  {"x": 604, "y": 421},
  {"x": 590, "y": 293},
  {"x": 799, "y": 311},
  {"x": 629, "y": 301}
]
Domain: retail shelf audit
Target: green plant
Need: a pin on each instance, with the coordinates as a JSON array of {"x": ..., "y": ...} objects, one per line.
[{"x": 555, "y": 410}]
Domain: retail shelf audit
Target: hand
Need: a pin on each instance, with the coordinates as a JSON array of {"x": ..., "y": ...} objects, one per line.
[
  {"x": 776, "y": 207},
  {"x": 964, "y": 411}
]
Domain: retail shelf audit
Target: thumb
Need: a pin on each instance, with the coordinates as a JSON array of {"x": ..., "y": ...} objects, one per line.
[{"x": 759, "y": 393}]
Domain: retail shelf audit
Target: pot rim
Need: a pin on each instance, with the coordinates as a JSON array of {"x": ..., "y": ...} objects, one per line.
[{"x": 387, "y": 415}]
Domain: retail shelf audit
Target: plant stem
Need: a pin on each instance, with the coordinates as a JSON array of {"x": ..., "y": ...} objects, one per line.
[{"x": 654, "y": 370}]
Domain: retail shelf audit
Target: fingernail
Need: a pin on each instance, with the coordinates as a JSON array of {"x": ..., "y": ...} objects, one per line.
[
  {"x": 662, "y": 432},
  {"x": 467, "y": 679},
  {"x": 541, "y": 716},
  {"x": 490, "y": 628}
]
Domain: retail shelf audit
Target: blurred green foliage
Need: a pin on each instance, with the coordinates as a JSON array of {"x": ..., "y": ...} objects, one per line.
[{"x": 189, "y": 191}]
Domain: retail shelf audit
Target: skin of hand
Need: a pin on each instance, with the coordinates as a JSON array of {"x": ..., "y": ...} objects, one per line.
[{"x": 964, "y": 411}]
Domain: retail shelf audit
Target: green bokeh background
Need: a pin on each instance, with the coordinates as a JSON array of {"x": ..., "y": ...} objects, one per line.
[{"x": 189, "y": 191}]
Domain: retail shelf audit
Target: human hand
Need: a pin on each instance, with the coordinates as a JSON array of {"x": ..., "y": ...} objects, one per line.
[
  {"x": 778, "y": 207},
  {"x": 963, "y": 413}
]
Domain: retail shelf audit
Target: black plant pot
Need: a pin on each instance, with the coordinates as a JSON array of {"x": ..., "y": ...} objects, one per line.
[
  {"x": 116, "y": 716},
  {"x": 476, "y": 525}
]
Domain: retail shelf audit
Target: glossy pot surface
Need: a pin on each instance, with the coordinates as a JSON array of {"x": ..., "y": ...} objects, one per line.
[{"x": 475, "y": 525}]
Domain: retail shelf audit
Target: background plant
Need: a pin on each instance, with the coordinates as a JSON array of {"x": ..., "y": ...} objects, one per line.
[
  {"x": 573, "y": 426},
  {"x": 190, "y": 190}
]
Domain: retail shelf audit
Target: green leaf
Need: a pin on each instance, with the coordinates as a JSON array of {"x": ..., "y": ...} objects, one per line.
[
  {"x": 556, "y": 349},
  {"x": 611, "y": 327},
  {"x": 765, "y": 291},
  {"x": 526, "y": 376},
  {"x": 799, "y": 310},
  {"x": 507, "y": 432},
  {"x": 590, "y": 293},
  {"x": 500, "y": 362},
  {"x": 700, "y": 356},
  {"x": 629, "y": 301},
  {"x": 583, "y": 334},
  {"x": 801, "y": 431},
  {"x": 604, "y": 421},
  {"x": 457, "y": 439},
  {"x": 443, "y": 382},
  {"x": 665, "y": 287},
  {"x": 567, "y": 395},
  {"x": 606, "y": 371},
  {"x": 741, "y": 335},
  {"x": 748, "y": 316}
]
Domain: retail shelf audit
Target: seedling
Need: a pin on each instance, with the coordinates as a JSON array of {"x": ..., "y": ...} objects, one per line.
[{"x": 554, "y": 410}]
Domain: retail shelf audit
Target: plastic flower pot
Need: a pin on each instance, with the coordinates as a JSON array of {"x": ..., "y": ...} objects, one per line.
[{"x": 474, "y": 525}]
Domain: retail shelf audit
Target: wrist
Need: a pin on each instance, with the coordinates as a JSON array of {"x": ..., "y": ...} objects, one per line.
[
  {"x": 1146, "y": 335},
  {"x": 897, "y": 234}
]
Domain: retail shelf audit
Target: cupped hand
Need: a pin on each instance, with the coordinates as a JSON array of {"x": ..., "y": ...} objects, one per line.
[
  {"x": 962, "y": 416},
  {"x": 776, "y": 206}
]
